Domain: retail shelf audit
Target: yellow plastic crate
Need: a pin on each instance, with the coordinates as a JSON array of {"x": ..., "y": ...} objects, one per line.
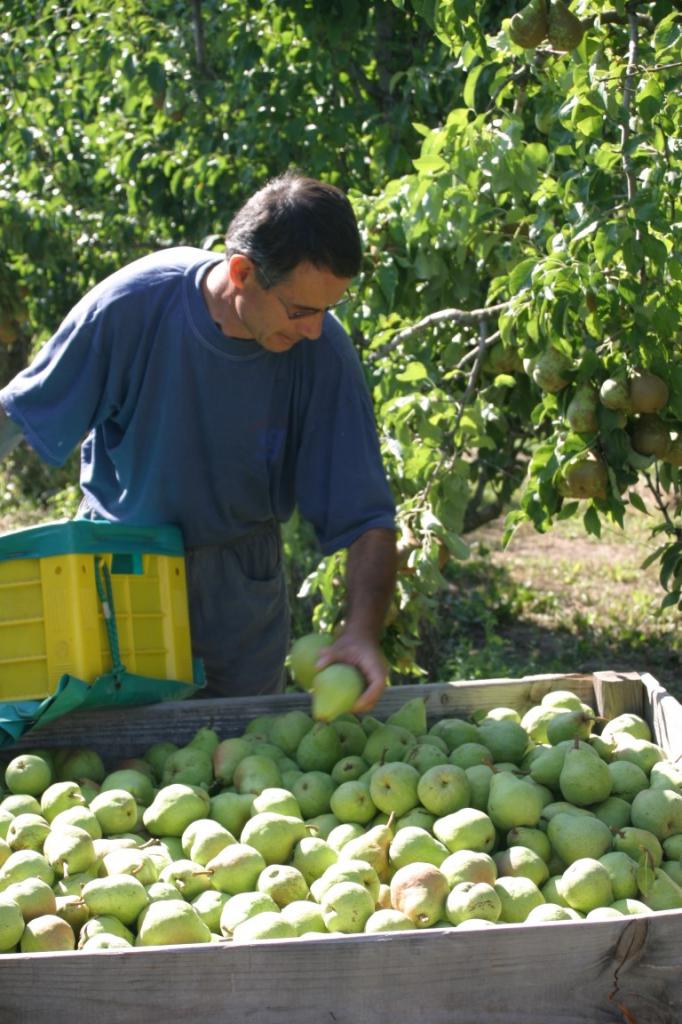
[{"x": 51, "y": 617}]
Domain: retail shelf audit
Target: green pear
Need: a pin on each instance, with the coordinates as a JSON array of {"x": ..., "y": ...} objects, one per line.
[
  {"x": 107, "y": 924},
  {"x": 335, "y": 690},
  {"x": 346, "y": 907},
  {"x": 303, "y": 657},
  {"x": 358, "y": 871},
  {"x": 443, "y": 789},
  {"x": 171, "y": 923},
  {"x": 656, "y": 887},
  {"x": 566, "y": 700},
  {"x": 673, "y": 868},
  {"x": 535, "y": 720},
  {"x": 455, "y": 732},
  {"x": 284, "y": 883},
  {"x": 658, "y": 811},
  {"x": 235, "y": 869},
  {"x": 467, "y": 829},
  {"x": 173, "y": 808},
  {"x": 256, "y": 772},
  {"x": 640, "y": 752},
  {"x": 577, "y": 836},
  {"x": 387, "y": 743},
  {"x": 319, "y": 749},
  {"x": 11, "y": 923},
  {"x": 304, "y": 916},
  {"x": 273, "y": 835},
  {"x": 203, "y": 839},
  {"x": 343, "y": 833},
  {"x": 528, "y": 26},
  {"x": 628, "y": 779},
  {"x": 27, "y": 832},
  {"x": 548, "y": 912},
  {"x": 25, "y": 864},
  {"x": 69, "y": 850},
  {"x": 567, "y": 725},
  {"x": 469, "y": 866},
  {"x": 418, "y": 817},
  {"x": 241, "y": 907},
  {"x": 81, "y": 763},
  {"x": 82, "y": 817},
  {"x": 550, "y": 811},
  {"x": 348, "y": 768},
  {"x": 581, "y": 412},
  {"x": 393, "y": 788},
  {"x": 472, "y": 899},
  {"x": 633, "y": 725},
  {"x": 466, "y": 755},
  {"x": 665, "y": 775},
  {"x": 634, "y": 841},
  {"x": 312, "y": 856},
  {"x": 614, "y": 812},
  {"x": 520, "y": 861},
  {"x": 479, "y": 777},
  {"x": 116, "y": 811},
  {"x": 189, "y": 765},
  {"x": 276, "y": 799},
  {"x": 372, "y": 847},
  {"x": 420, "y": 891},
  {"x": 136, "y": 862},
  {"x": 227, "y": 756},
  {"x": 28, "y": 774},
  {"x": 534, "y": 838},
  {"x": 506, "y": 740},
  {"x": 33, "y": 896},
  {"x": 58, "y": 796},
  {"x": 518, "y": 896},
  {"x": 622, "y": 872},
  {"x": 261, "y": 927},
  {"x": 672, "y": 847},
  {"x": 322, "y": 825},
  {"x": 423, "y": 756},
  {"x": 352, "y": 802},
  {"x": 132, "y": 781},
  {"x": 122, "y": 896},
  {"x": 231, "y": 810},
  {"x": 586, "y": 884},
  {"x": 584, "y": 779},
  {"x": 550, "y": 890},
  {"x": 387, "y": 920},
  {"x": 513, "y": 802},
  {"x": 156, "y": 755},
  {"x": 47, "y": 934},
  {"x": 412, "y": 844},
  {"x": 188, "y": 877},
  {"x": 411, "y": 716},
  {"x": 289, "y": 728},
  {"x": 71, "y": 909},
  {"x": 629, "y": 907},
  {"x": 313, "y": 791},
  {"x": 352, "y": 736},
  {"x": 550, "y": 370}
]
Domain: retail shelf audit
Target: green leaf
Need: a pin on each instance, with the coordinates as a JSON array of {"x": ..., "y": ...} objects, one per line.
[
  {"x": 592, "y": 522},
  {"x": 414, "y": 372}
]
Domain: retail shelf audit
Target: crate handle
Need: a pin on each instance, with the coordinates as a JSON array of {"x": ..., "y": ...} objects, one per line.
[{"x": 106, "y": 596}]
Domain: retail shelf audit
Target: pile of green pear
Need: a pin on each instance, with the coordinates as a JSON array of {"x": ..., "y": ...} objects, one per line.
[{"x": 304, "y": 828}]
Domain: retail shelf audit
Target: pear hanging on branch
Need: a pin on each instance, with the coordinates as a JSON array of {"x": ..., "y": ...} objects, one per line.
[
  {"x": 564, "y": 30},
  {"x": 528, "y": 27}
]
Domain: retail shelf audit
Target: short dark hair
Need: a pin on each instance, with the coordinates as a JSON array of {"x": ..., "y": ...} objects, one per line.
[{"x": 294, "y": 219}]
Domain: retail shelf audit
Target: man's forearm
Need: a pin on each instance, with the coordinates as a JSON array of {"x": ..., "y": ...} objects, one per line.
[{"x": 370, "y": 579}]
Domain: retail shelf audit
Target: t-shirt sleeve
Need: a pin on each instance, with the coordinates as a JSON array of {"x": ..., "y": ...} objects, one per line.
[
  {"x": 341, "y": 485},
  {"x": 67, "y": 390}
]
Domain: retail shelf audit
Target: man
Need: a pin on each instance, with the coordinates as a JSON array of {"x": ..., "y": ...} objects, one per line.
[{"x": 217, "y": 393}]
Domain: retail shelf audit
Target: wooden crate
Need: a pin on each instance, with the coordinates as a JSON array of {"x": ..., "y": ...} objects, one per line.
[{"x": 627, "y": 971}]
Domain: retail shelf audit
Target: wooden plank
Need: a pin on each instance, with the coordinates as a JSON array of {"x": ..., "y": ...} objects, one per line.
[
  {"x": 664, "y": 717},
  {"x": 567, "y": 973},
  {"x": 618, "y": 692},
  {"x": 126, "y": 732}
]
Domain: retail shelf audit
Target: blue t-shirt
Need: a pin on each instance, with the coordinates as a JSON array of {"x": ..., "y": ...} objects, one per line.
[{"x": 180, "y": 424}]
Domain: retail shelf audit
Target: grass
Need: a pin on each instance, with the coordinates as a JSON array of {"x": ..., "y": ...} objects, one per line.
[{"x": 556, "y": 602}]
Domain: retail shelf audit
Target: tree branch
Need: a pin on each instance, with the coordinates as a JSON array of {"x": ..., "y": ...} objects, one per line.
[{"x": 460, "y": 316}]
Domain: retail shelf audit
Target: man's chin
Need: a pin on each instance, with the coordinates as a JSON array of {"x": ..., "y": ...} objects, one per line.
[{"x": 278, "y": 343}]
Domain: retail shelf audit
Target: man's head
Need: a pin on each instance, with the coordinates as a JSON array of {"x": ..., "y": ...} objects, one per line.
[
  {"x": 291, "y": 252},
  {"x": 293, "y": 220}
]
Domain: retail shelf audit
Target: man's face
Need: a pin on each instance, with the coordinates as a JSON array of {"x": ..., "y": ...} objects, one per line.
[{"x": 284, "y": 314}]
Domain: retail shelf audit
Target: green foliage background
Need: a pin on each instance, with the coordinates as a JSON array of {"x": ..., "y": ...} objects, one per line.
[{"x": 510, "y": 200}]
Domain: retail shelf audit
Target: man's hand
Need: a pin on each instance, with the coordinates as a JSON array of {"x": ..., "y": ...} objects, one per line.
[
  {"x": 365, "y": 654},
  {"x": 370, "y": 572}
]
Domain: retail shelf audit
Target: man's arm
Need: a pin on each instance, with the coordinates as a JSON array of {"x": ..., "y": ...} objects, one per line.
[
  {"x": 370, "y": 580},
  {"x": 10, "y": 435}
]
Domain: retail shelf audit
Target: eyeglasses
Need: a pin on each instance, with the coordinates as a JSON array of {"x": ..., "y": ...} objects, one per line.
[{"x": 300, "y": 313}]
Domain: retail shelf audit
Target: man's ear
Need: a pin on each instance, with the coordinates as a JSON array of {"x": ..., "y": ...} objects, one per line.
[{"x": 240, "y": 269}]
